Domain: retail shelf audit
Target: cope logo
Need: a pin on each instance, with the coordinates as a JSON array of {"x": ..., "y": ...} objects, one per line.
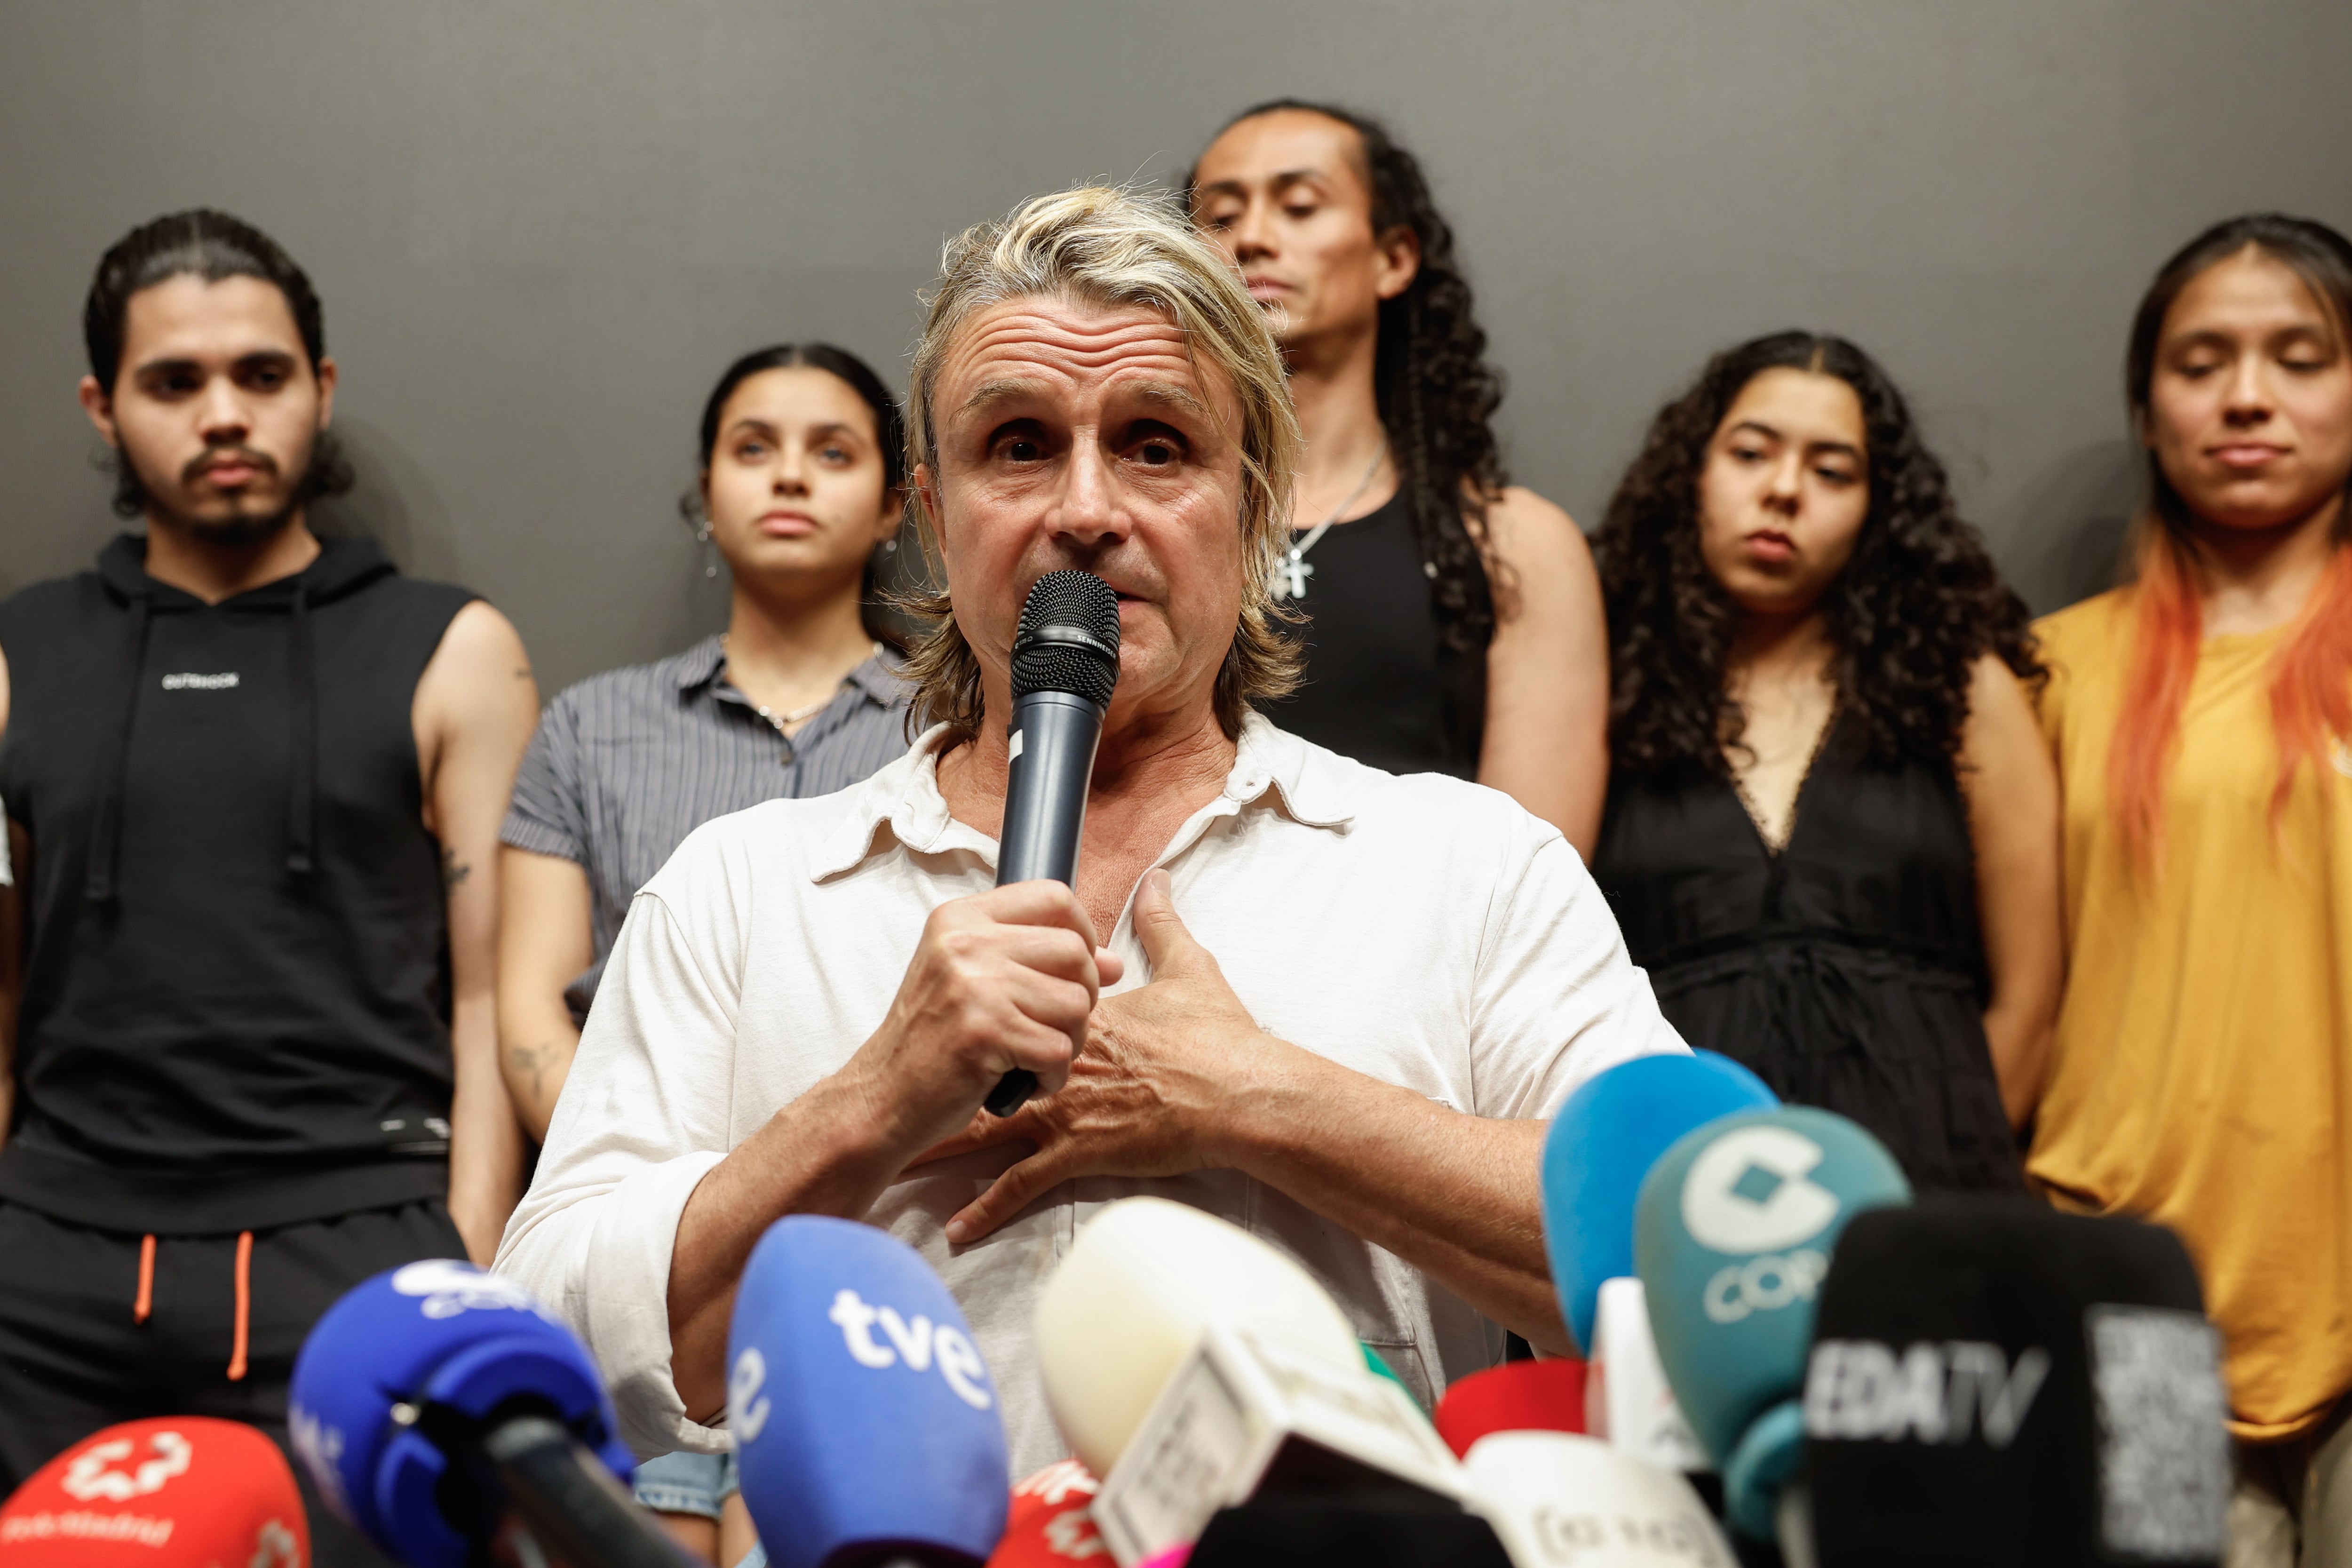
[
  {"x": 916, "y": 1344},
  {"x": 1751, "y": 1191}
]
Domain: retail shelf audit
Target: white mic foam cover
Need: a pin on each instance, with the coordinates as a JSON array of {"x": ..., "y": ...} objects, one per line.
[
  {"x": 1556, "y": 1497},
  {"x": 1140, "y": 1284}
]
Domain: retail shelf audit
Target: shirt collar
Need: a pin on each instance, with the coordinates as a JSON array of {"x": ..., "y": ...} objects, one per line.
[
  {"x": 879, "y": 677},
  {"x": 1311, "y": 785}
]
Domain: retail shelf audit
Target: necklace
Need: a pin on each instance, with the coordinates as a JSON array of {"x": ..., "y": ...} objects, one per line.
[
  {"x": 1290, "y": 577},
  {"x": 785, "y": 721}
]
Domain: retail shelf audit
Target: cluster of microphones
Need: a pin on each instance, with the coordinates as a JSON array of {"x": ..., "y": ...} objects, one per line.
[{"x": 1783, "y": 1353}]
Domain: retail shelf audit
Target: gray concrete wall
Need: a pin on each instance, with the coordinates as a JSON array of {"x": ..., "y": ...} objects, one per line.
[{"x": 541, "y": 227}]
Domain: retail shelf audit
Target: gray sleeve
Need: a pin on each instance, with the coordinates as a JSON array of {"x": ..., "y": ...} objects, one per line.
[{"x": 548, "y": 813}]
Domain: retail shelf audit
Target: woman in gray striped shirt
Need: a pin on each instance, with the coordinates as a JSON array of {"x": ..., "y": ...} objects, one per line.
[{"x": 801, "y": 458}]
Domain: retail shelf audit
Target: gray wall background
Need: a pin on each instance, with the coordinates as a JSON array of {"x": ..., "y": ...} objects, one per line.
[{"x": 541, "y": 227}]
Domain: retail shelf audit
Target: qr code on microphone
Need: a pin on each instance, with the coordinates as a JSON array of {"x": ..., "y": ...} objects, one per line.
[{"x": 2164, "y": 1452}]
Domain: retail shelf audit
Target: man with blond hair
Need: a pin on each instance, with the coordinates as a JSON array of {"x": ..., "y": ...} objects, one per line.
[{"x": 1320, "y": 1001}]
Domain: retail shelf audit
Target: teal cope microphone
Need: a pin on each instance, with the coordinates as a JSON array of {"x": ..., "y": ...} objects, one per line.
[
  {"x": 1064, "y": 665},
  {"x": 866, "y": 1425},
  {"x": 433, "y": 1399},
  {"x": 1732, "y": 1235},
  {"x": 1601, "y": 1144}
]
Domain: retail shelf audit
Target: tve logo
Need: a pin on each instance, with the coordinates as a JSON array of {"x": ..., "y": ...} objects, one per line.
[{"x": 918, "y": 1346}]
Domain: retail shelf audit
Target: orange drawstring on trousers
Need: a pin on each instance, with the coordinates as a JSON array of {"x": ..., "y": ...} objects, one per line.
[
  {"x": 145, "y": 1302},
  {"x": 241, "y": 1332},
  {"x": 244, "y": 1304}
]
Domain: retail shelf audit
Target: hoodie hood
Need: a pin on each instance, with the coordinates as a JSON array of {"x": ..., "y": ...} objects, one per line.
[{"x": 343, "y": 567}]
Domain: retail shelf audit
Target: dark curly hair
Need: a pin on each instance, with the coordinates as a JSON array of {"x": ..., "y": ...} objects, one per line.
[
  {"x": 1436, "y": 393},
  {"x": 1914, "y": 609}
]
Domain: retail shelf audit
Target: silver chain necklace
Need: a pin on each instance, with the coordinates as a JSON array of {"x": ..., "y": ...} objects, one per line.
[
  {"x": 1290, "y": 576},
  {"x": 786, "y": 719}
]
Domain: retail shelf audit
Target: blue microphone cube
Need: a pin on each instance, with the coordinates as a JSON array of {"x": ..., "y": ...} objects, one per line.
[
  {"x": 865, "y": 1420},
  {"x": 435, "y": 1333}
]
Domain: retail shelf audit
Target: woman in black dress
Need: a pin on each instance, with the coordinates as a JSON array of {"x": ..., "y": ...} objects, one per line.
[{"x": 1831, "y": 830}]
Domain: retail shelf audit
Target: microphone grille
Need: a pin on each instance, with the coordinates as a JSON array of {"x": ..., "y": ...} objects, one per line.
[{"x": 1068, "y": 638}]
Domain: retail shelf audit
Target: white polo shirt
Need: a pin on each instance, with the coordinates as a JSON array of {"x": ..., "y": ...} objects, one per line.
[{"x": 1423, "y": 932}]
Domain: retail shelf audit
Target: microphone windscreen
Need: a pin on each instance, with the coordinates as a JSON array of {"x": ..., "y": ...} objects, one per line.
[
  {"x": 434, "y": 1335},
  {"x": 1139, "y": 1285},
  {"x": 1604, "y": 1142},
  {"x": 1051, "y": 1522},
  {"x": 1628, "y": 1403},
  {"x": 1517, "y": 1396},
  {"x": 1558, "y": 1498},
  {"x": 1067, "y": 639},
  {"x": 1733, "y": 1232},
  {"x": 1994, "y": 1381},
  {"x": 1304, "y": 1530},
  {"x": 176, "y": 1491},
  {"x": 865, "y": 1420}
]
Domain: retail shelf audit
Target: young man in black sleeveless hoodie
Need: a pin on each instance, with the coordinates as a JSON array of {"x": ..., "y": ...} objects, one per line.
[{"x": 253, "y": 780}]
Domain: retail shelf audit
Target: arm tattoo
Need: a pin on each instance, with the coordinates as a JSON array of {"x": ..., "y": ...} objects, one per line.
[{"x": 452, "y": 871}]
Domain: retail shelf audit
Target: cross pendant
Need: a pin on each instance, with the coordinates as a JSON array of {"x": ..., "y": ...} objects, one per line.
[{"x": 1297, "y": 571}]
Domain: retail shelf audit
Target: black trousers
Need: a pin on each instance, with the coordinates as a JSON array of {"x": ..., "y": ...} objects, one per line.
[{"x": 74, "y": 1356}]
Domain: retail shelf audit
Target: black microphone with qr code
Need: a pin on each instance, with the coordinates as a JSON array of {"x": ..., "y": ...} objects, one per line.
[{"x": 1064, "y": 665}]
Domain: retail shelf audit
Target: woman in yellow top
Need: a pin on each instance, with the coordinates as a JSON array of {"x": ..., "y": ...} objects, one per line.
[{"x": 2202, "y": 1071}]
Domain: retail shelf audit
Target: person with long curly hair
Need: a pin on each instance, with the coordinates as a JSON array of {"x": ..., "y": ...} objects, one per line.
[
  {"x": 2200, "y": 715},
  {"x": 1452, "y": 619},
  {"x": 1832, "y": 829}
]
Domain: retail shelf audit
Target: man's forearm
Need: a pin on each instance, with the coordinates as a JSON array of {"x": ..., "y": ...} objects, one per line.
[
  {"x": 1458, "y": 1197},
  {"x": 820, "y": 1155}
]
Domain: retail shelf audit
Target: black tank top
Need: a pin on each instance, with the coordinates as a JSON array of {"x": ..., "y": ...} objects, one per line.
[
  {"x": 1381, "y": 686},
  {"x": 1847, "y": 968},
  {"x": 235, "y": 1003}
]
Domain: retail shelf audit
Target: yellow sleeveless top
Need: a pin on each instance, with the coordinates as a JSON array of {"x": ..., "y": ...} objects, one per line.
[{"x": 2202, "y": 1075}]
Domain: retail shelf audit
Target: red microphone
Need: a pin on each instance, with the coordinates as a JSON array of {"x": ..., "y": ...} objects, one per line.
[
  {"x": 1050, "y": 1525},
  {"x": 1517, "y": 1396},
  {"x": 178, "y": 1491}
]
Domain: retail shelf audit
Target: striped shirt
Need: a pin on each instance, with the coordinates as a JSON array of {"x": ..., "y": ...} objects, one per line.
[{"x": 628, "y": 763}]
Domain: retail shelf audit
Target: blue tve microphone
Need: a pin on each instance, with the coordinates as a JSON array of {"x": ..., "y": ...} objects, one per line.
[
  {"x": 1064, "y": 665},
  {"x": 435, "y": 1398},
  {"x": 1601, "y": 1144},
  {"x": 866, "y": 1424},
  {"x": 1732, "y": 1237}
]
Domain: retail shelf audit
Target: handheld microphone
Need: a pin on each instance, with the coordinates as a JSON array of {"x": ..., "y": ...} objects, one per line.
[
  {"x": 170, "y": 1489},
  {"x": 1995, "y": 1382},
  {"x": 1140, "y": 1284},
  {"x": 1556, "y": 1497},
  {"x": 433, "y": 1397},
  {"x": 1600, "y": 1145},
  {"x": 1517, "y": 1396},
  {"x": 1733, "y": 1232},
  {"x": 866, "y": 1425},
  {"x": 1064, "y": 665}
]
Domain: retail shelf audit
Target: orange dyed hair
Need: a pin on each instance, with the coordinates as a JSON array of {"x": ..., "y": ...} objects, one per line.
[
  {"x": 2311, "y": 677},
  {"x": 2311, "y": 685}
]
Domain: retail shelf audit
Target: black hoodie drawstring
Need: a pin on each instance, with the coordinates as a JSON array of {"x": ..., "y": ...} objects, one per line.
[
  {"x": 303, "y": 709},
  {"x": 106, "y": 823}
]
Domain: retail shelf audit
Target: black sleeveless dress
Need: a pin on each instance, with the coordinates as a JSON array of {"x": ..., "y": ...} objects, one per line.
[
  {"x": 1381, "y": 686},
  {"x": 1847, "y": 969}
]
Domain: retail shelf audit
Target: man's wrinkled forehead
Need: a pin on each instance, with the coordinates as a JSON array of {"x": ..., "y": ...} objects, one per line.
[{"x": 1049, "y": 348}]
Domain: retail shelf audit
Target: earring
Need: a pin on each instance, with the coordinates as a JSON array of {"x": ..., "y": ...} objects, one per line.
[{"x": 702, "y": 537}]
